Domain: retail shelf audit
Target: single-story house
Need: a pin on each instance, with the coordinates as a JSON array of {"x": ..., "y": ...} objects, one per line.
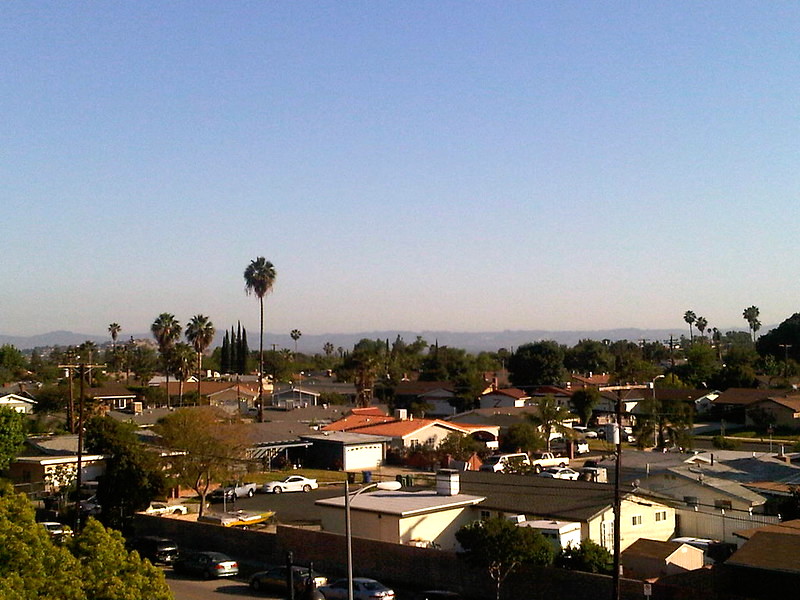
[
  {"x": 505, "y": 397},
  {"x": 650, "y": 559},
  {"x": 346, "y": 450},
  {"x": 590, "y": 504},
  {"x": 21, "y": 403},
  {"x": 53, "y": 473},
  {"x": 781, "y": 411},
  {"x": 427, "y": 518}
]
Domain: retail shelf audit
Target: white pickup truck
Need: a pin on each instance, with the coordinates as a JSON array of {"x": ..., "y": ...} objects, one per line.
[
  {"x": 548, "y": 459},
  {"x": 229, "y": 491}
]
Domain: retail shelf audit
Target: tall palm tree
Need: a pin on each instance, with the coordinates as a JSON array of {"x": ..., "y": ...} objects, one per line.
[
  {"x": 200, "y": 333},
  {"x": 750, "y": 315},
  {"x": 296, "y": 333},
  {"x": 259, "y": 277},
  {"x": 690, "y": 318},
  {"x": 114, "y": 329},
  {"x": 701, "y": 323},
  {"x": 181, "y": 359},
  {"x": 166, "y": 330}
]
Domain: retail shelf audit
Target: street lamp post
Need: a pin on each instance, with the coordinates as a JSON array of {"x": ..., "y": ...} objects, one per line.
[{"x": 348, "y": 532}]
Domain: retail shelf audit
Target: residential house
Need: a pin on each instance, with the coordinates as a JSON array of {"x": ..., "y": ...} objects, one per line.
[
  {"x": 766, "y": 566},
  {"x": 348, "y": 451},
  {"x": 731, "y": 404},
  {"x": 50, "y": 463},
  {"x": 592, "y": 380},
  {"x": 651, "y": 559},
  {"x": 587, "y": 503},
  {"x": 21, "y": 403},
  {"x": 294, "y": 397},
  {"x": 780, "y": 412},
  {"x": 425, "y": 518},
  {"x": 436, "y": 396},
  {"x": 504, "y": 398}
]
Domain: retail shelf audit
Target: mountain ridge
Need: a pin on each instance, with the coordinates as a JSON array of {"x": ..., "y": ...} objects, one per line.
[{"x": 475, "y": 341}]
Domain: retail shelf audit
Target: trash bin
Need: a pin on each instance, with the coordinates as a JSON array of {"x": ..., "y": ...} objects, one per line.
[
  {"x": 351, "y": 478},
  {"x": 409, "y": 481},
  {"x": 366, "y": 476},
  {"x": 401, "y": 479}
]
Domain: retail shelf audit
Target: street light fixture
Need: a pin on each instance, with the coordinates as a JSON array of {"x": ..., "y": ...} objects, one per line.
[{"x": 380, "y": 485}]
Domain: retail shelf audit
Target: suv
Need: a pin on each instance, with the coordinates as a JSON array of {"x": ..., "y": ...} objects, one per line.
[
  {"x": 155, "y": 549},
  {"x": 501, "y": 462}
]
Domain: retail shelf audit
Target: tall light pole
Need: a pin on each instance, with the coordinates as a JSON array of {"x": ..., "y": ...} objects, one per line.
[
  {"x": 655, "y": 406},
  {"x": 348, "y": 532}
]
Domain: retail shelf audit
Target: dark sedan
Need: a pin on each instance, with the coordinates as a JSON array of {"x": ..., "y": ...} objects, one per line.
[{"x": 275, "y": 579}]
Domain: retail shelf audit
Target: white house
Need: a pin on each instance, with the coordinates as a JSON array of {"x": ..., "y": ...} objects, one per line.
[{"x": 20, "y": 404}]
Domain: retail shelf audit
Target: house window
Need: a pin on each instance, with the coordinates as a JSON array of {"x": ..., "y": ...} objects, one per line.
[
  {"x": 636, "y": 520},
  {"x": 722, "y": 504},
  {"x": 485, "y": 515},
  {"x": 661, "y": 515}
]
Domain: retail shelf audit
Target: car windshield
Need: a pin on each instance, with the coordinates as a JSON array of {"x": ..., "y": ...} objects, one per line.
[
  {"x": 371, "y": 585},
  {"x": 492, "y": 460}
]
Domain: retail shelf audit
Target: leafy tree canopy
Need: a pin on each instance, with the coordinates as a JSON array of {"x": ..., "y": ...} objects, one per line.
[
  {"x": 93, "y": 566},
  {"x": 12, "y": 435},
  {"x": 500, "y": 546},
  {"x": 589, "y": 556},
  {"x": 538, "y": 363}
]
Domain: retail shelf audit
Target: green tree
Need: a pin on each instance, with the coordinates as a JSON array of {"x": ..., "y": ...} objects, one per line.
[
  {"x": 208, "y": 446},
  {"x": 12, "y": 363},
  {"x": 522, "y": 437},
  {"x": 499, "y": 546},
  {"x": 550, "y": 418},
  {"x": 12, "y": 435},
  {"x": 690, "y": 318},
  {"x": 259, "y": 277},
  {"x": 590, "y": 557},
  {"x": 295, "y": 334},
  {"x": 701, "y": 323},
  {"x": 110, "y": 572},
  {"x": 750, "y": 314},
  {"x": 181, "y": 361},
  {"x": 166, "y": 330},
  {"x": 133, "y": 475},
  {"x": 143, "y": 363},
  {"x": 589, "y": 356},
  {"x": 458, "y": 446},
  {"x": 583, "y": 402},
  {"x": 113, "y": 330},
  {"x": 94, "y": 566},
  {"x": 200, "y": 333},
  {"x": 538, "y": 363},
  {"x": 701, "y": 366}
]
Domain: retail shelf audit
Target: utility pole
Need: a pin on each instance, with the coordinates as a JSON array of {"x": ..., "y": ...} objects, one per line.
[
  {"x": 83, "y": 368},
  {"x": 619, "y": 389}
]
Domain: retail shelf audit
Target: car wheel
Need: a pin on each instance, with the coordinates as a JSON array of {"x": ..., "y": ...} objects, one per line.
[
  {"x": 306, "y": 488},
  {"x": 538, "y": 468},
  {"x": 562, "y": 465},
  {"x": 177, "y": 511},
  {"x": 250, "y": 493},
  {"x": 276, "y": 490},
  {"x": 255, "y": 585},
  {"x": 206, "y": 575}
]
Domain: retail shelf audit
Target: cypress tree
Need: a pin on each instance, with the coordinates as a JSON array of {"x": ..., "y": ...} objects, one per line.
[
  {"x": 225, "y": 355},
  {"x": 245, "y": 352},
  {"x": 234, "y": 357}
]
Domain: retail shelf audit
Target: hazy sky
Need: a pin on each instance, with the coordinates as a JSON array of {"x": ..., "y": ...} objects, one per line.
[{"x": 404, "y": 165}]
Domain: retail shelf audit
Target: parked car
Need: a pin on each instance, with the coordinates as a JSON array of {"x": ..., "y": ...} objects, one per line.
[
  {"x": 162, "y": 508},
  {"x": 90, "y": 506},
  {"x": 363, "y": 589},
  {"x": 439, "y": 595},
  {"x": 231, "y": 491},
  {"x": 58, "y": 531},
  {"x": 158, "y": 550},
  {"x": 585, "y": 431},
  {"x": 497, "y": 463},
  {"x": 275, "y": 579},
  {"x": 293, "y": 483},
  {"x": 559, "y": 473},
  {"x": 207, "y": 565}
]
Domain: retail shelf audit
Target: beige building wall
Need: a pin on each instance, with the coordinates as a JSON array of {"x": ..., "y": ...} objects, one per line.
[{"x": 640, "y": 518}]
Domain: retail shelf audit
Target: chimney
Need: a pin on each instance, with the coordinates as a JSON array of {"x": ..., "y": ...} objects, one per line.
[
  {"x": 494, "y": 384},
  {"x": 401, "y": 414},
  {"x": 448, "y": 482}
]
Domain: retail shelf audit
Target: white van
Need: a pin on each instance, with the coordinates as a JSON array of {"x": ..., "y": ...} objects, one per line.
[{"x": 501, "y": 462}]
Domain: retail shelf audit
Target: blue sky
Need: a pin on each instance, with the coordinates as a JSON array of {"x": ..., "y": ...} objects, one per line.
[{"x": 405, "y": 165}]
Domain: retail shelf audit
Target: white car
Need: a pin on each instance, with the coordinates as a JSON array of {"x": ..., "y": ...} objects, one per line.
[
  {"x": 293, "y": 483},
  {"x": 162, "y": 508},
  {"x": 559, "y": 473},
  {"x": 585, "y": 431}
]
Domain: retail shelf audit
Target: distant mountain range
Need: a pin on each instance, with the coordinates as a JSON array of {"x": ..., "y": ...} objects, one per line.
[{"x": 313, "y": 343}]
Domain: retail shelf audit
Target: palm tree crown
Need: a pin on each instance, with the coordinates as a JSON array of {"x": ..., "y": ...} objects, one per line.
[
  {"x": 750, "y": 315},
  {"x": 690, "y": 318},
  {"x": 200, "y": 333},
  {"x": 166, "y": 330},
  {"x": 259, "y": 277}
]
